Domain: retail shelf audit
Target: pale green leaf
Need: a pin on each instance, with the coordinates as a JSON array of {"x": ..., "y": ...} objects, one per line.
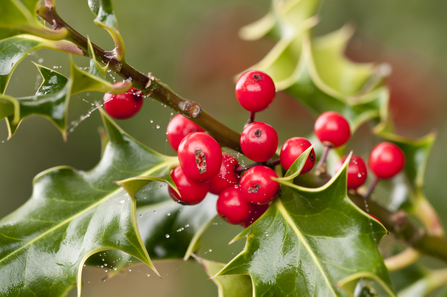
[{"x": 227, "y": 285}]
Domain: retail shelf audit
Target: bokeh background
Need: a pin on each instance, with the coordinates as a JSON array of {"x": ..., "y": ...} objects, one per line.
[{"x": 193, "y": 46}]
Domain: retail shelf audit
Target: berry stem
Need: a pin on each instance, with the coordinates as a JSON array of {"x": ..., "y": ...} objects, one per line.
[
  {"x": 150, "y": 86},
  {"x": 321, "y": 166},
  {"x": 371, "y": 188},
  {"x": 242, "y": 168}
]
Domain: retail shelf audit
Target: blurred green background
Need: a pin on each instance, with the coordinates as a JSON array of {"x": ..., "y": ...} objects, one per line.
[{"x": 193, "y": 47}]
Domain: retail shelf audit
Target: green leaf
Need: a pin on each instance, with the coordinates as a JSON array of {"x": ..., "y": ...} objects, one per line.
[
  {"x": 15, "y": 49},
  {"x": 169, "y": 230},
  {"x": 95, "y": 67},
  {"x": 363, "y": 284},
  {"x": 73, "y": 214},
  {"x": 290, "y": 249},
  {"x": 227, "y": 285},
  {"x": 105, "y": 18},
  {"x": 19, "y": 16},
  {"x": 285, "y": 18},
  {"x": 315, "y": 72},
  {"x": 50, "y": 102},
  {"x": 296, "y": 166}
]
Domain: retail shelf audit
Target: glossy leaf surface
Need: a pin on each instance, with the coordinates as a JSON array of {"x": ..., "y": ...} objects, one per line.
[
  {"x": 15, "y": 49},
  {"x": 227, "y": 285},
  {"x": 71, "y": 215},
  {"x": 168, "y": 229},
  {"x": 308, "y": 241},
  {"x": 49, "y": 101}
]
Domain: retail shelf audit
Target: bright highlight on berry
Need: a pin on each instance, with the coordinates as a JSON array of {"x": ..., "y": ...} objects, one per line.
[
  {"x": 255, "y": 90},
  {"x": 332, "y": 129},
  {"x": 357, "y": 171},
  {"x": 386, "y": 160},
  {"x": 200, "y": 156},
  {"x": 259, "y": 141},
  {"x": 292, "y": 149},
  {"x": 125, "y": 105},
  {"x": 178, "y": 127}
]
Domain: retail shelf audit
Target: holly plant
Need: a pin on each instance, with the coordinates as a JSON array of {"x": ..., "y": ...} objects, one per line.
[{"x": 306, "y": 207}]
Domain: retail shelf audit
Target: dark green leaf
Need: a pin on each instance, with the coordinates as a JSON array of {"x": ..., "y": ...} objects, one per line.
[
  {"x": 15, "y": 49},
  {"x": 169, "y": 230},
  {"x": 50, "y": 101},
  {"x": 227, "y": 285},
  {"x": 308, "y": 241},
  {"x": 73, "y": 214}
]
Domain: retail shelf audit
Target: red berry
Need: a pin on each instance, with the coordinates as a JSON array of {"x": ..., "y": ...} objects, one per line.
[
  {"x": 259, "y": 141},
  {"x": 178, "y": 127},
  {"x": 257, "y": 186},
  {"x": 292, "y": 149},
  {"x": 191, "y": 192},
  {"x": 255, "y": 90},
  {"x": 200, "y": 156},
  {"x": 256, "y": 214},
  {"x": 232, "y": 207},
  {"x": 332, "y": 129},
  {"x": 125, "y": 105},
  {"x": 357, "y": 172},
  {"x": 386, "y": 160},
  {"x": 227, "y": 176}
]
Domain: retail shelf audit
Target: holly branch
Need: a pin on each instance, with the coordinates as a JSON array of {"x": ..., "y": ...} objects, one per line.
[{"x": 396, "y": 222}]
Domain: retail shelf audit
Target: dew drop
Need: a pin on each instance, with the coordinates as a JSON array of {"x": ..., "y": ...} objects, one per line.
[{"x": 167, "y": 235}]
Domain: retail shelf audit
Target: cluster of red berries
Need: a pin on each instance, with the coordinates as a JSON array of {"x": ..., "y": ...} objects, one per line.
[{"x": 205, "y": 168}]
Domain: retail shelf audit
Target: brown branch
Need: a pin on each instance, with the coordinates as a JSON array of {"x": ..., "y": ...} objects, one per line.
[{"x": 148, "y": 85}]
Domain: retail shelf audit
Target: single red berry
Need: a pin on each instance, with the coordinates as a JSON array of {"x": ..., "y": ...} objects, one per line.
[
  {"x": 227, "y": 176},
  {"x": 255, "y": 90},
  {"x": 125, "y": 105},
  {"x": 256, "y": 214},
  {"x": 259, "y": 141},
  {"x": 178, "y": 127},
  {"x": 257, "y": 186},
  {"x": 292, "y": 149},
  {"x": 332, "y": 129},
  {"x": 232, "y": 207},
  {"x": 200, "y": 156},
  {"x": 191, "y": 192},
  {"x": 386, "y": 160},
  {"x": 357, "y": 171}
]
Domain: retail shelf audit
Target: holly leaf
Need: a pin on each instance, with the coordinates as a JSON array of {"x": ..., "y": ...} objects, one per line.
[
  {"x": 52, "y": 98},
  {"x": 227, "y": 285},
  {"x": 73, "y": 214},
  {"x": 284, "y": 18},
  {"x": 19, "y": 16},
  {"x": 49, "y": 102},
  {"x": 105, "y": 18},
  {"x": 15, "y": 49},
  {"x": 290, "y": 249},
  {"x": 315, "y": 72},
  {"x": 95, "y": 67}
]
